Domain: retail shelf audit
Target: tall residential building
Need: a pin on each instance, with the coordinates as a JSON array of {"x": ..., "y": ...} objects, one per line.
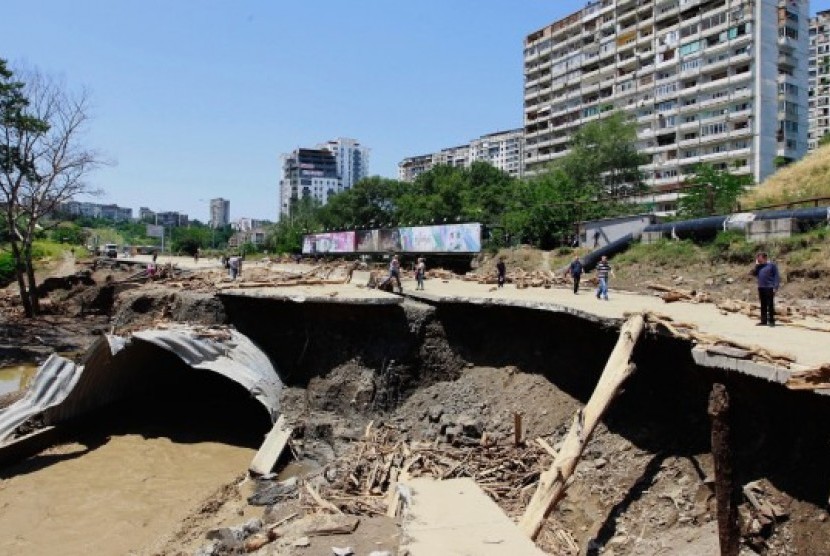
[
  {"x": 220, "y": 212},
  {"x": 503, "y": 149},
  {"x": 307, "y": 173},
  {"x": 320, "y": 172},
  {"x": 714, "y": 81},
  {"x": 352, "y": 160},
  {"x": 96, "y": 210},
  {"x": 819, "y": 77}
]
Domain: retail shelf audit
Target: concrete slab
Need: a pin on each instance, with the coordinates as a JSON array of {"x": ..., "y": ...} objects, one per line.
[
  {"x": 349, "y": 294},
  {"x": 456, "y": 518}
]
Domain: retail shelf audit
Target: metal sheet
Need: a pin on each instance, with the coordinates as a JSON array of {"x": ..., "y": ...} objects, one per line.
[{"x": 62, "y": 389}]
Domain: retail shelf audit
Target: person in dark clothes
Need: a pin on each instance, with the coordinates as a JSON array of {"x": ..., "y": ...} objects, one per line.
[
  {"x": 769, "y": 280},
  {"x": 575, "y": 270},
  {"x": 502, "y": 270}
]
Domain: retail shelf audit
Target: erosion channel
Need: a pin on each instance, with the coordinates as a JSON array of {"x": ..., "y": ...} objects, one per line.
[{"x": 160, "y": 468}]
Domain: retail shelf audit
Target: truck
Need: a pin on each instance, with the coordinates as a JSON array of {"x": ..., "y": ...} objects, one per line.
[{"x": 110, "y": 250}]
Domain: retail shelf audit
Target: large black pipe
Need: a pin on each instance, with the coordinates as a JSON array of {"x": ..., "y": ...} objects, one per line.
[
  {"x": 699, "y": 228},
  {"x": 590, "y": 260}
]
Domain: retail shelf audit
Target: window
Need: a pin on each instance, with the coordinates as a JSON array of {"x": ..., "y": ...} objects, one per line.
[
  {"x": 689, "y": 48},
  {"x": 713, "y": 129}
]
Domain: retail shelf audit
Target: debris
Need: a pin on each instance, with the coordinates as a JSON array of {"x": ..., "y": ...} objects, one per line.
[
  {"x": 271, "y": 448},
  {"x": 302, "y": 542},
  {"x": 553, "y": 482},
  {"x": 322, "y": 525},
  {"x": 342, "y": 551},
  {"x": 810, "y": 379}
]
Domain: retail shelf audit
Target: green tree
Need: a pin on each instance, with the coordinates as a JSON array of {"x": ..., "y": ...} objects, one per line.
[
  {"x": 189, "y": 240},
  {"x": 372, "y": 201},
  {"x": 286, "y": 236},
  {"x": 712, "y": 191}
]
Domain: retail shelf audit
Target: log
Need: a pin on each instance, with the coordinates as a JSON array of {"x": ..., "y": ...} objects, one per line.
[
  {"x": 271, "y": 449},
  {"x": 517, "y": 429},
  {"x": 553, "y": 482},
  {"x": 729, "y": 534}
]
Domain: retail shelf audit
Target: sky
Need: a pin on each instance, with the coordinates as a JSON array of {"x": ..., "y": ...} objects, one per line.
[{"x": 193, "y": 100}]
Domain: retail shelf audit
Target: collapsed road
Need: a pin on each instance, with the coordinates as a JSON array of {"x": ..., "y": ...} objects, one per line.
[{"x": 332, "y": 359}]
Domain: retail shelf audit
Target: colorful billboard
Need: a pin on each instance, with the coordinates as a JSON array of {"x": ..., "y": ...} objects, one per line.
[
  {"x": 329, "y": 242},
  {"x": 447, "y": 238}
]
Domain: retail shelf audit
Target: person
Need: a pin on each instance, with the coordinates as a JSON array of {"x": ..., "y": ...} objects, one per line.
[
  {"x": 769, "y": 279},
  {"x": 575, "y": 270},
  {"x": 603, "y": 270},
  {"x": 151, "y": 270},
  {"x": 420, "y": 270},
  {"x": 233, "y": 267},
  {"x": 155, "y": 255},
  {"x": 196, "y": 256},
  {"x": 502, "y": 270},
  {"x": 395, "y": 272},
  {"x": 597, "y": 235}
]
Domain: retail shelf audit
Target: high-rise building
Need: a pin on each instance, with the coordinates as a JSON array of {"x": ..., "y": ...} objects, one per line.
[
  {"x": 707, "y": 81},
  {"x": 819, "y": 77},
  {"x": 307, "y": 173},
  {"x": 96, "y": 210},
  {"x": 318, "y": 173},
  {"x": 503, "y": 149},
  {"x": 220, "y": 212},
  {"x": 352, "y": 160}
]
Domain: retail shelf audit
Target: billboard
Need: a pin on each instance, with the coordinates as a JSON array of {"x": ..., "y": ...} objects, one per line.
[
  {"x": 329, "y": 242},
  {"x": 155, "y": 231},
  {"x": 447, "y": 238},
  {"x": 367, "y": 241}
]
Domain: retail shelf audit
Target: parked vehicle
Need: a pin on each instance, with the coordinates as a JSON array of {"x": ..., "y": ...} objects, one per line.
[{"x": 110, "y": 250}]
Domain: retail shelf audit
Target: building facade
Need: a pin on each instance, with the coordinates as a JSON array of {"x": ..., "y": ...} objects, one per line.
[
  {"x": 819, "y": 77},
  {"x": 503, "y": 149},
  {"x": 96, "y": 210},
  {"x": 220, "y": 212},
  {"x": 707, "y": 81},
  {"x": 320, "y": 172},
  {"x": 351, "y": 158}
]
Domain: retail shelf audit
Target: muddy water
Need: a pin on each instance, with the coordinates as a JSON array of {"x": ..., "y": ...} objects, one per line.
[
  {"x": 15, "y": 377},
  {"x": 133, "y": 473}
]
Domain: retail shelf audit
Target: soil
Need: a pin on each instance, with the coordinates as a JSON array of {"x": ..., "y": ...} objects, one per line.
[{"x": 644, "y": 483}]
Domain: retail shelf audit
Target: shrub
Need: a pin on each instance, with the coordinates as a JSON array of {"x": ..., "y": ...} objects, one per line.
[{"x": 6, "y": 268}]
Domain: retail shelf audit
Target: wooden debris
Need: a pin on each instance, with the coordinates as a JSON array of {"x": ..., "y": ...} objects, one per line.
[
  {"x": 810, "y": 379},
  {"x": 271, "y": 449},
  {"x": 320, "y": 500},
  {"x": 322, "y": 525},
  {"x": 553, "y": 482}
]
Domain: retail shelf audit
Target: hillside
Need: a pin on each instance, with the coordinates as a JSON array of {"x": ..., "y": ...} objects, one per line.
[{"x": 807, "y": 178}]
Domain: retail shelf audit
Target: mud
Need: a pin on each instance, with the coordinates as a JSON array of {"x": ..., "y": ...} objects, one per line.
[{"x": 643, "y": 486}]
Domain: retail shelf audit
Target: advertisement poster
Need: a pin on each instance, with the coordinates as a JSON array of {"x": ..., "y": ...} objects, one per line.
[
  {"x": 331, "y": 242},
  {"x": 389, "y": 240},
  {"x": 447, "y": 238},
  {"x": 367, "y": 241}
]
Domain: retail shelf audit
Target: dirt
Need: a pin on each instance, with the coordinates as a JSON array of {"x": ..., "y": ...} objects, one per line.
[{"x": 644, "y": 484}]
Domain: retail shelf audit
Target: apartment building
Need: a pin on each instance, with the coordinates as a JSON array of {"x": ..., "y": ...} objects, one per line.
[
  {"x": 220, "y": 212},
  {"x": 819, "y": 77},
  {"x": 351, "y": 158},
  {"x": 502, "y": 149},
  {"x": 307, "y": 173},
  {"x": 320, "y": 172},
  {"x": 96, "y": 210},
  {"x": 707, "y": 81}
]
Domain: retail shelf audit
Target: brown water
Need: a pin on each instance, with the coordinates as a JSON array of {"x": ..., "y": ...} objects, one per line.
[
  {"x": 134, "y": 473},
  {"x": 15, "y": 377}
]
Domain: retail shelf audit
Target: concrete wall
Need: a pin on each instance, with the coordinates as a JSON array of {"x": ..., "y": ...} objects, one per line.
[{"x": 763, "y": 230}]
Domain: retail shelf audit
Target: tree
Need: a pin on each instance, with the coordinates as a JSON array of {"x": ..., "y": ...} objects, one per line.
[
  {"x": 712, "y": 191},
  {"x": 286, "y": 236},
  {"x": 42, "y": 162}
]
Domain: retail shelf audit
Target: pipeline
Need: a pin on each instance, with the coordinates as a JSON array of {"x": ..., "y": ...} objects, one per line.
[
  {"x": 617, "y": 246},
  {"x": 708, "y": 227}
]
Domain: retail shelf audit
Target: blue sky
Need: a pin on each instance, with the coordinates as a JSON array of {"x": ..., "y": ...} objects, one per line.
[{"x": 193, "y": 100}]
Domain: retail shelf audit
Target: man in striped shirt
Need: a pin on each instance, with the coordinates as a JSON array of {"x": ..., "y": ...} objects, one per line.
[{"x": 603, "y": 270}]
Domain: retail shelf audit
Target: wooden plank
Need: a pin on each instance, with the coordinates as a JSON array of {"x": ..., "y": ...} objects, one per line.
[
  {"x": 553, "y": 482},
  {"x": 271, "y": 449},
  {"x": 729, "y": 534}
]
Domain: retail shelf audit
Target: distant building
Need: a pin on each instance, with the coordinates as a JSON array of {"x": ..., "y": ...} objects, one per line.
[
  {"x": 220, "y": 212},
  {"x": 819, "y": 75},
  {"x": 320, "y": 172},
  {"x": 171, "y": 219},
  {"x": 503, "y": 150},
  {"x": 248, "y": 224},
  {"x": 96, "y": 210},
  {"x": 146, "y": 215}
]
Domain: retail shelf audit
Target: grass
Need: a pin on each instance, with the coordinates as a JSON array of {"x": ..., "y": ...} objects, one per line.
[
  {"x": 807, "y": 178},
  {"x": 668, "y": 253}
]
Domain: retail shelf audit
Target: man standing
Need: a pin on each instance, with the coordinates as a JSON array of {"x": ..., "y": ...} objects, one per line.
[
  {"x": 768, "y": 281},
  {"x": 395, "y": 272},
  {"x": 575, "y": 270},
  {"x": 603, "y": 270},
  {"x": 502, "y": 270},
  {"x": 420, "y": 271}
]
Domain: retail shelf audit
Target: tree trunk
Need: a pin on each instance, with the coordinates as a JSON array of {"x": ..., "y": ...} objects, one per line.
[
  {"x": 34, "y": 302},
  {"x": 729, "y": 533},
  {"x": 554, "y": 481},
  {"x": 19, "y": 271}
]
